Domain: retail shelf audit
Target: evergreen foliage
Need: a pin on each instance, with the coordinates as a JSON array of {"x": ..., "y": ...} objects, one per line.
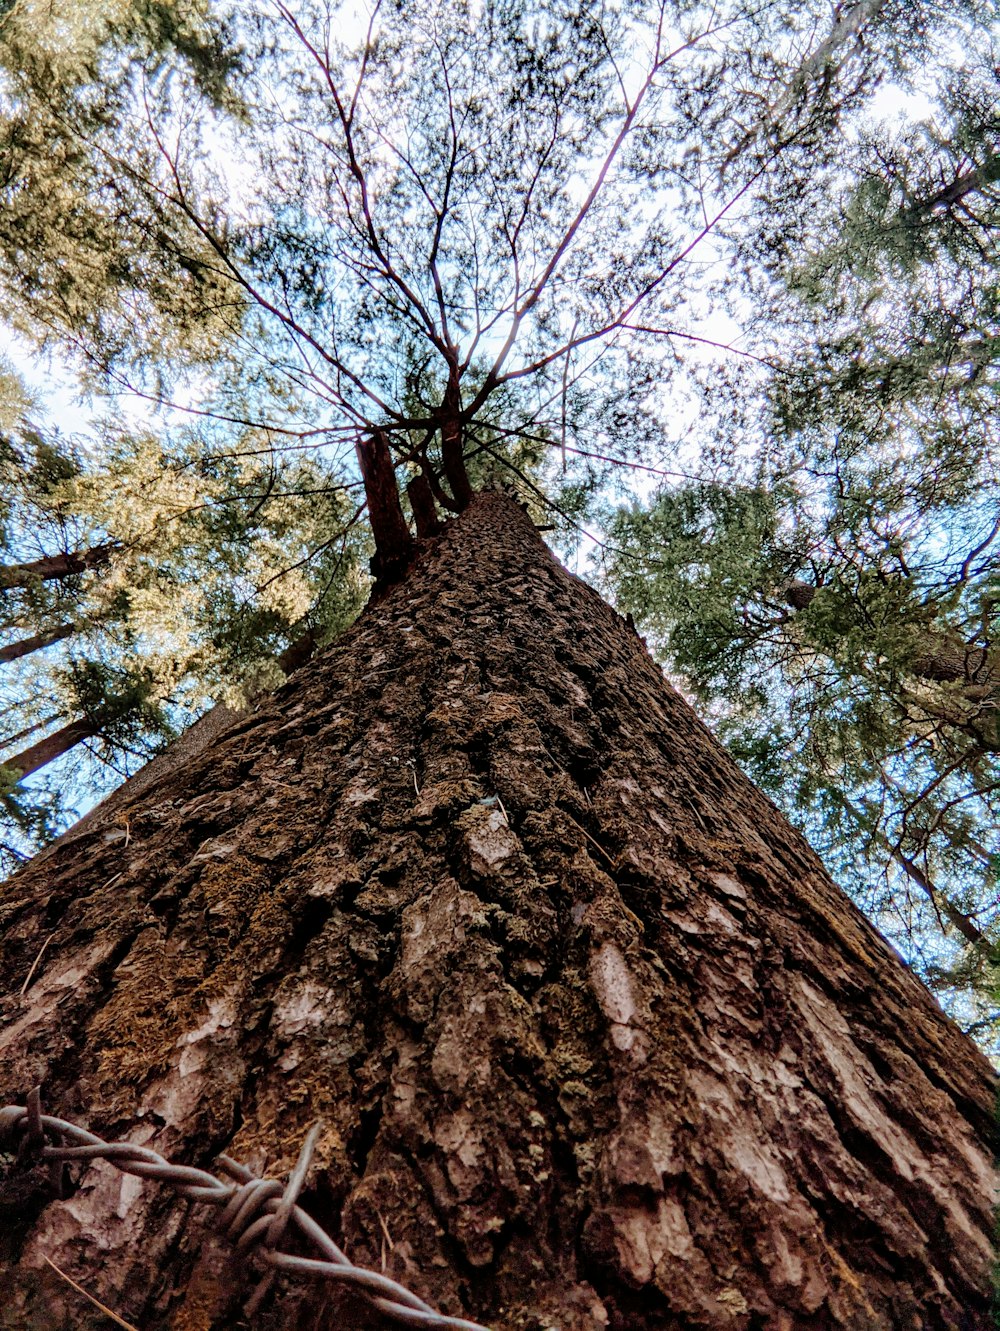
[
  {"x": 835, "y": 600},
  {"x": 142, "y": 579}
]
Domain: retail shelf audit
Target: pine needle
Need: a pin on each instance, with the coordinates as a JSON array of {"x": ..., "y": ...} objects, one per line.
[
  {"x": 96, "y": 1302},
  {"x": 34, "y": 967}
]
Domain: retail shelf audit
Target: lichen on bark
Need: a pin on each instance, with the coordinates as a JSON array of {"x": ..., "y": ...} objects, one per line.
[{"x": 593, "y": 1040}]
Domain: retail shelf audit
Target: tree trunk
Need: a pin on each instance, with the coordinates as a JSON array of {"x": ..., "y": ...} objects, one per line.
[
  {"x": 453, "y": 441},
  {"x": 393, "y": 542},
  {"x": 965, "y": 183},
  {"x": 592, "y": 1039},
  {"x": 820, "y": 66},
  {"x": 53, "y": 746},
  {"x": 25, "y": 646},
  {"x": 53, "y": 568}
]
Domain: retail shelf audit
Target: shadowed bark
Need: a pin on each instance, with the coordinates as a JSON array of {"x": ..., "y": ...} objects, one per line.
[
  {"x": 453, "y": 443},
  {"x": 393, "y": 542},
  {"x": 593, "y": 1039},
  {"x": 425, "y": 516}
]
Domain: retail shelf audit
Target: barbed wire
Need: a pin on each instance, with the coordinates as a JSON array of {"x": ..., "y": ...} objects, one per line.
[{"x": 256, "y": 1212}]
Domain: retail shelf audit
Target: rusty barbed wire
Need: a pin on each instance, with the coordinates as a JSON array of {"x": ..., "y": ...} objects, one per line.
[{"x": 255, "y": 1212}]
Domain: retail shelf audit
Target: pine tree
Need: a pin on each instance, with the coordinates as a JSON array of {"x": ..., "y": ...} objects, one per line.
[
  {"x": 140, "y": 585},
  {"x": 590, "y": 1038}
]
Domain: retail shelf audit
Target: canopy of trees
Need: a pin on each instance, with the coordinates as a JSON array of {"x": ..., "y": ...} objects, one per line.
[
  {"x": 833, "y": 594},
  {"x": 143, "y": 579},
  {"x": 486, "y": 241}
]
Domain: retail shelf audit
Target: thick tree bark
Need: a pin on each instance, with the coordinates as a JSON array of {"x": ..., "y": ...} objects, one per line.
[
  {"x": 593, "y": 1040},
  {"x": 53, "y": 568},
  {"x": 25, "y": 646}
]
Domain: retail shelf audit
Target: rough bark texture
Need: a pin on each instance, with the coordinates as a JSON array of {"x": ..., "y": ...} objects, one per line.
[
  {"x": 593, "y": 1039},
  {"x": 114, "y": 811}
]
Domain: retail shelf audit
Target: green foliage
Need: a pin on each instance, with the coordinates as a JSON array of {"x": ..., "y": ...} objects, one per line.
[
  {"x": 493, "y": 204},
  {"x": 849, "y": 664},
  {"x": 832, "y": 595},
  {"x": 215, "y": 562},
  {"x": 78, "y": 252},
  {"x": 27, "y": 819}
]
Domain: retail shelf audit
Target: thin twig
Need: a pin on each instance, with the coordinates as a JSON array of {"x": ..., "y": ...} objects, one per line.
[
  {"x": 607, "y": 854},
  {"x": 34, "y": 965},
  {"x": 120, "y": 1321}
]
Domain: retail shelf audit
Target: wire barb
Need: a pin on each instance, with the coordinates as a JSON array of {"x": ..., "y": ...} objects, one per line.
[{"x": 255, "y": 1214}]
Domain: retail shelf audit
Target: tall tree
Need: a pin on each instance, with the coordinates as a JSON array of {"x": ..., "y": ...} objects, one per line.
[{"x": 591, "y": 1039}]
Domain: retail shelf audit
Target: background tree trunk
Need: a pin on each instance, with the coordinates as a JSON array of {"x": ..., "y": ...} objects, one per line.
[
  {"x": 52, "y": 568},
  {"x": 53, "y": 746},
  {"x": 593, "y": 1039},
  {"x": 25, "y": 646}
]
